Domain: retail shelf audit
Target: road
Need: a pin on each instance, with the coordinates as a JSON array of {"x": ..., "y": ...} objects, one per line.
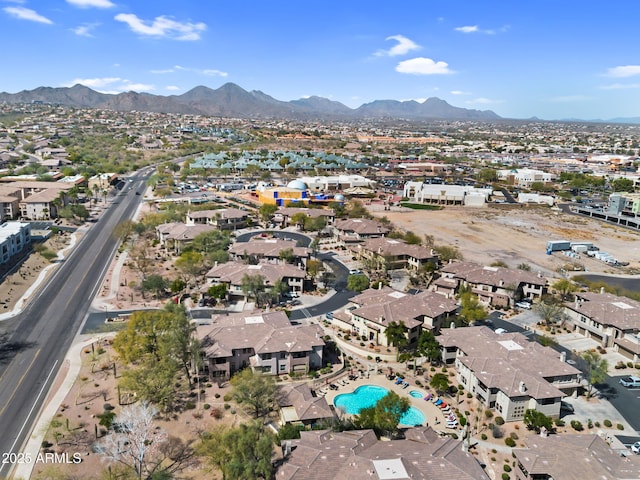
[
  {"x": 341, "y": 272},
  {"x": 42, "y": 334}
]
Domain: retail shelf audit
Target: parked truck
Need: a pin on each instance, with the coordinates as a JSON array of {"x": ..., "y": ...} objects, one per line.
[{"x": 558, "y": 246}]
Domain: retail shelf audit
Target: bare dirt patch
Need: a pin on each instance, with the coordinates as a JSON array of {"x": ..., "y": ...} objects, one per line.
[{"x": 519, "y": 235}]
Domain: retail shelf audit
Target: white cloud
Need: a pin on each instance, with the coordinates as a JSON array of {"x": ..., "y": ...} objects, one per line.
[
  {"x": 91, "y": 3},
  {"x": 403, "y": 47},
  {"x": 171, "y": 88},
  {"x": 467, "y": 29},
  {"x": 209, "y": 72},
  {"x": 27, "y": 14},
  {"x": 214, "y": 73},
  {"x": 459, "y": 92},
  {"x": 623, "y": 71},
  {"x": 163, "y": 26},
  {"x": 482, "y": 101},
  {"x": 139, "y": 87},
  {"x": 84, "y": 30},
  {"x": 423, "y": 66},
  {"x": 476, "y": 29},
  {"x": 111, "y": 84},
  {"x": 620, "y": 86}
]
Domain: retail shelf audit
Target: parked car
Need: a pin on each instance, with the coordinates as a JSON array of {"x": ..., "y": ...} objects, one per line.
[
  {"x": 500, "y": 331},
  {"x": 635, "y": 448},
  {"x": 630, "y": 382},
  {"x": 567, "y": 407},
  {"x": 523, "y": 305}
]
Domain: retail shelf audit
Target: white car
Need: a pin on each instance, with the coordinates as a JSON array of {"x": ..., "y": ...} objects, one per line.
[
  {"x": 635, "y": 448},
  {"x": 523, "y": 305},
  {"x": 500, "y": 331},
  {"x": 630, "y": 382}
]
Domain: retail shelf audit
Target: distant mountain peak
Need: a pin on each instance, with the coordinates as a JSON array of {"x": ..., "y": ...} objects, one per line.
[{"x": 232, "y": 100}]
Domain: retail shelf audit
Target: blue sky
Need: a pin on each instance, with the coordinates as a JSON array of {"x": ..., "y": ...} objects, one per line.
[{"x": 550, "y": 59}]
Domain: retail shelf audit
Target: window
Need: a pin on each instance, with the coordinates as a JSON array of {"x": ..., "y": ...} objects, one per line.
[
  {"x": 283, "y": 367},
  {"x": 266, "y": 356}
]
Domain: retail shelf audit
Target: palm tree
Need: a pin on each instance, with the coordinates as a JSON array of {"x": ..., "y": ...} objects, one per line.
[{"x": 396, "y": 336}]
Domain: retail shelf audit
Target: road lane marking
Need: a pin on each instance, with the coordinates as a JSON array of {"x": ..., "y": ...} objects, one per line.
[
  {"x": 35, "y": 402},
  {"x": 20, "y": 381}
]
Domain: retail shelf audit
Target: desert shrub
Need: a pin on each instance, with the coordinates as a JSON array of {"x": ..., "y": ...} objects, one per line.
[
  {"x": 227, "y": 397},
  {"x": 619, "y": 426},
  {"x": 227, "y": 406},
  {"x": 514, "y": 435},
  {"x": 483, "y": 436},
  {"x": 506, "y": 468},
  {"x": 505, "y": 476},
  {"x": 206, "y": 406},
  {"x": 189, "y": 406},
  {"x": 558, "y": 422},
  {"x": 216, "y": 395},
  {"x": 510, "y": 442},
  {"x": 108, "y": 407},
  {"x": 576, "y": 425},
  {"x": 607, "y": 423},
  {"x": 488, "y": 413},
  {"x": 216, "y": 413},
  {"x": 499, "y": 421}
]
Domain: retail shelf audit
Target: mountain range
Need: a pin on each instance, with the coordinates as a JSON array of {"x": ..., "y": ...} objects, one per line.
[{"x": 230, "y": 100}]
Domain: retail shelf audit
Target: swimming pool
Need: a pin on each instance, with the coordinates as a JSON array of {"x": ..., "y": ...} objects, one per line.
[{"x": 367, "y": 396}]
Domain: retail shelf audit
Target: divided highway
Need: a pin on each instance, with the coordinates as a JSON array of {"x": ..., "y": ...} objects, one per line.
[{"x": 43, "y": 332}]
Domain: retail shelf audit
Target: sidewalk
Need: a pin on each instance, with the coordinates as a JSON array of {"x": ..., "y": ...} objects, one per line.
[{"x": 67, "y": 375}]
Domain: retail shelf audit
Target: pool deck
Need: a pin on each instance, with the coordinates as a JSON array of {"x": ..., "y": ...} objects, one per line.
[{"x": 433, "y": 415}]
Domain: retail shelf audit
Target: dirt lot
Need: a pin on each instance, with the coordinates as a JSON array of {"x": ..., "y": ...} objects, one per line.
[{"x": 519, "y": 235}]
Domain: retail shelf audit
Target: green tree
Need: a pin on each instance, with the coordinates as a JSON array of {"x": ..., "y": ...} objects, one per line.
[
  {"x": 564, "y": 287},
  {"x": 286, "y": 255},
  {"x": 298, "y": 219},
  {"x": 396, "y": 334},
  {"x": 428, "y": 346},
  {"x": 595, "y": 370},
  {"x": 252, "y": 285},
  {"x": 155, "y": 283},
  {"x": 439, "y": 382},
  {"x": 254, "y": 391},
  {"x": 314, "y": 267},
  {"x": 535, "y": 420},
  {"x": 385, "y": 416},
  {"x": 242, "y": 453},
  {"x": 153, "y": 380},
  {"x": 550, "y": 312},
  {"x": 447, "y": 253},
  {"x": 357, "y": 283},
  {"x": 622, "y": 185},
  {"x": 219, "y": 292},
  {"x": 266, "y": 212},
  {"x": 471, "y": 310},
  {"x": 191, "y": 265}
]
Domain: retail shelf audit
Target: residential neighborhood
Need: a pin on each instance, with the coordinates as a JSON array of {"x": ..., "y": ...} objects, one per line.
[{"x": 275, "y": 289}]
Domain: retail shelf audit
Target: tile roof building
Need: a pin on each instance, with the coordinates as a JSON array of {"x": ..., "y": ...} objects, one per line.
[
  {"x": 611, "y": 320},
  {"x": 269, "y": 249},
  {"x": 395, "y": 253},
  {"x": 371, "y": 312},
  {"x": 507, "y": 372},
  {"x": 232, "y": 273},
  {"x": 572, "y": 457},
  {"x": 359, "y": 455},
  {"x": 497, "y": 286},
  {"x": 299, "y": 405},
  {"x": 175, "y": 236},
  {"x": 264, "y": 341}
]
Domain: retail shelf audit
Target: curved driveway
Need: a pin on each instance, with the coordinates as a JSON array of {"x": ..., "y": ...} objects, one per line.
[{"x": 341, "y": 272}]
